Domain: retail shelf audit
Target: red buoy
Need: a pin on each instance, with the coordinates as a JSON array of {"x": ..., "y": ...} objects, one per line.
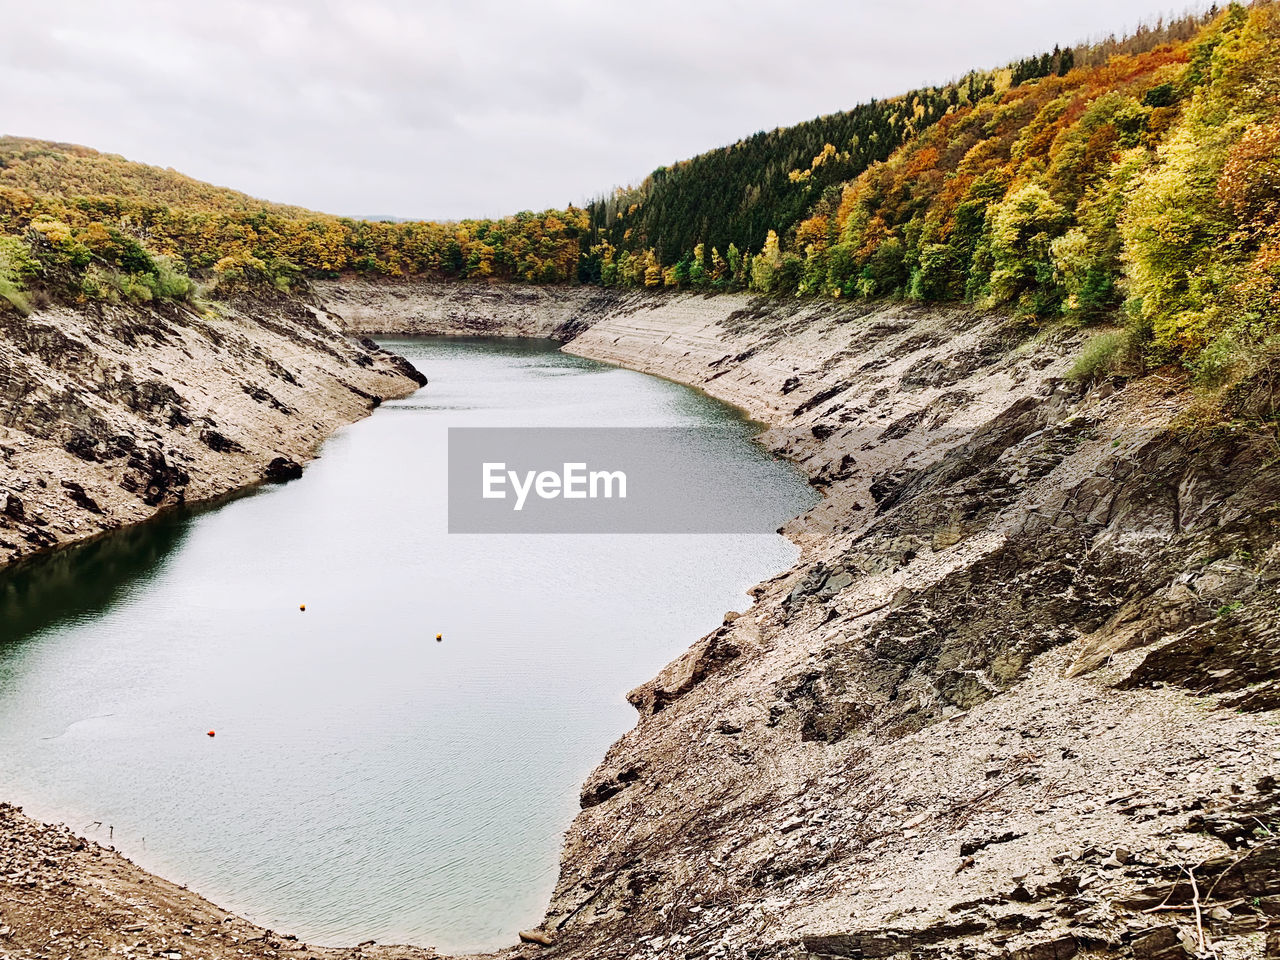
[{"x": 211, "y": 733}]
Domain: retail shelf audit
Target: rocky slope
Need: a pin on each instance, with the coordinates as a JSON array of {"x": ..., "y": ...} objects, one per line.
[
  {"x": 1014, "y": 701},
  {"x": 110, "y": 414},
  {"x": 424, "y": 308},
  {"x": 1017, "y": 699}
]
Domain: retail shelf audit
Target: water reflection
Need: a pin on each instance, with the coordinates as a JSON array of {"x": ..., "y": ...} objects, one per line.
[{"x": 84, "y": 581}]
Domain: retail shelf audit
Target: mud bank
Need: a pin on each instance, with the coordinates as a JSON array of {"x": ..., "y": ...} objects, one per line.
[
  {"x": 1016, "y": 700},
  {"x": 114, "y": 413}
]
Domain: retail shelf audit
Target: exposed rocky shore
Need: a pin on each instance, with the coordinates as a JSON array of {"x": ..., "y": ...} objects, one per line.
[
  {"x": 1016, "y": 700},
  {"x": 424, "y": 308},
  {"x": 63, "y": 896},
  {"x": 110, "y": 414},
  {"x": 1017, "y": 694}
]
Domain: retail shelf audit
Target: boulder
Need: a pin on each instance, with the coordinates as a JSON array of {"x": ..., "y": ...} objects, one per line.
[{"x": 281, "y": 470}]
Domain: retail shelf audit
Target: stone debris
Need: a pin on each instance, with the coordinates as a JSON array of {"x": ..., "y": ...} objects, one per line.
[{"x": 63, "y": 896}]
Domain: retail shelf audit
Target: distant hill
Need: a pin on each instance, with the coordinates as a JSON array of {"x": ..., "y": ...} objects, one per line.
[
  {"x": 67, "y": 170},
  {"x": 381, "y": 218}
]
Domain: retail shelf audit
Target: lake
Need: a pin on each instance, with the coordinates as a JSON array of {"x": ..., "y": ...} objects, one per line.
[{"x": 365, "y": 782}]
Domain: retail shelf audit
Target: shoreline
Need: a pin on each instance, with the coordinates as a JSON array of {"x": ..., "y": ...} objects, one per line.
[
  {"x": 57, "y": 821},
  {"x": 924, "y": 395},
  {"x": 128, "y": 847},
  {"x": 136, "y": 410}
]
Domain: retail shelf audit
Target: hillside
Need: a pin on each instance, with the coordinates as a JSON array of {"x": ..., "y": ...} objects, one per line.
[
  {"x": 1146, "y": 182},
  {"x": 1138, "y": 187},
  {"x": 1015, "y": 700},
  {"x": 68, "y": 171},
  {"x": 83, "y": 226},
  {"x": 1017, "y": 697},
  {"x": 1085, "y": 184},
  {"x": 734, "y": 196},
  {"x": 112, "y": 414}
]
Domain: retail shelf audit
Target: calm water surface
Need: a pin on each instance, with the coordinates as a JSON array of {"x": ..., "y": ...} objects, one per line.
[{"x": 365, "y": 782}]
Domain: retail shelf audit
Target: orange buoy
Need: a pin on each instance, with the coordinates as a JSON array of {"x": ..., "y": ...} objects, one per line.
[
  {"x": 302, "y": 606},
  {"x": 211, "y": 733}
]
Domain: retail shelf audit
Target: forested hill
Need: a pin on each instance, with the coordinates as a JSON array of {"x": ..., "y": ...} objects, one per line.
[
  {"x": 1133, "y": 178},
  {"x": 736, "y": 194},
  {"x": 68, "y": 171},
  {"x": 87, "y": 225}
]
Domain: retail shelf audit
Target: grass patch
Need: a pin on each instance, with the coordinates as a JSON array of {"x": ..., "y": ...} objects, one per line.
[
  {"x": 10, "y": 293},
  {"x": 15, "y": 266}
]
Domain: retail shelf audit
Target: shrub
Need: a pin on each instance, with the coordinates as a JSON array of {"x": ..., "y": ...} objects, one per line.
[
  {"x": 16, "y": 265},
  {"x": 1219, "y": 361},
  {"x": 99, "y": 284},
  {"x": 134, "y": 287},
  {"x": 167, "y": 282},
  {"x": 1102, "y": 354},
  {"x": 12, "y": 294}
]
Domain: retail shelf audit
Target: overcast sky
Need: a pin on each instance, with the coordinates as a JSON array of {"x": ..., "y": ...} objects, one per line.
[{"x": 444, "y": 109}]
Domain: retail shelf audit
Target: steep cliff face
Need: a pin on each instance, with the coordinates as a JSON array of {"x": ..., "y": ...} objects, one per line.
[{"x": 109, "y": 414}]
